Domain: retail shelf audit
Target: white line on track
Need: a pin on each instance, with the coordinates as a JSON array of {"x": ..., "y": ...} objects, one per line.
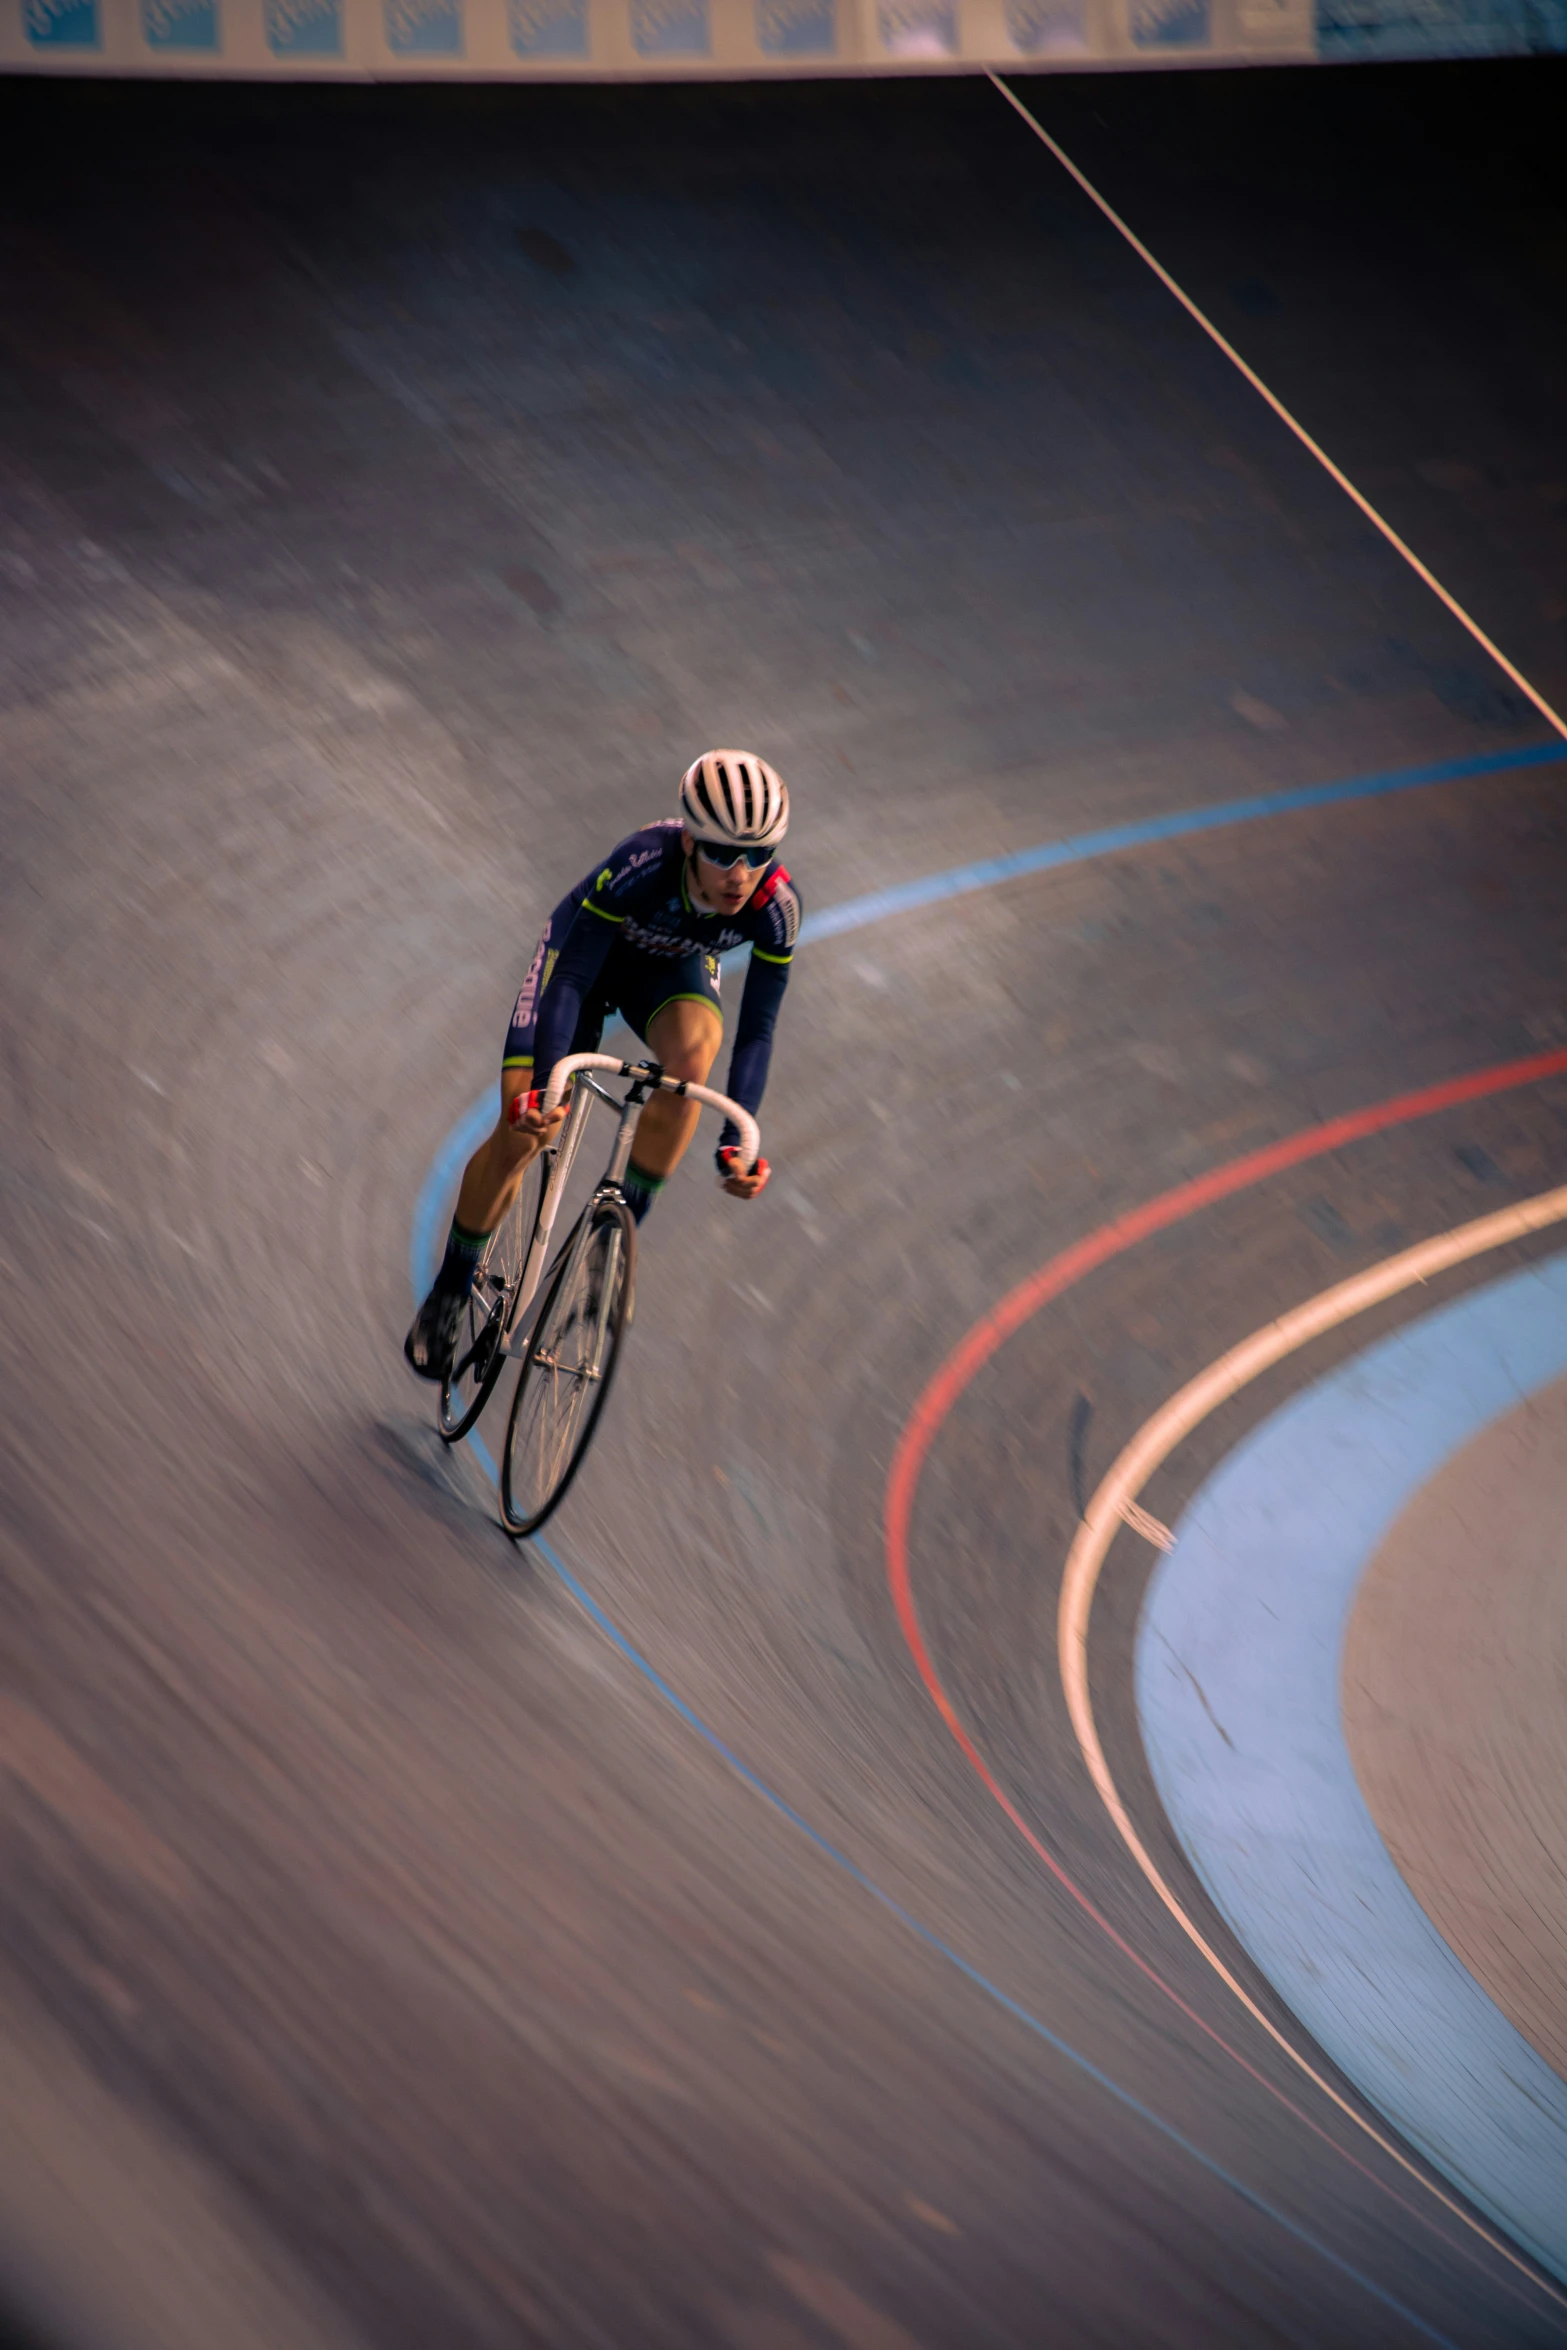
[
  {"x": 1401, "y": 546},
  {"x": 1117, "y": 1496},
  {"x": 1240, "y": 1701}
]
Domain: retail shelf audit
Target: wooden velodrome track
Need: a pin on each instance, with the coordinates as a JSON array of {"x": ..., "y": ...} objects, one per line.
[{"x": 394, "y": 492}]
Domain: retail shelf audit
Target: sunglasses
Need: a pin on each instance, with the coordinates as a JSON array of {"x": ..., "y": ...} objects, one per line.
[{"x": 725, "y": 858}]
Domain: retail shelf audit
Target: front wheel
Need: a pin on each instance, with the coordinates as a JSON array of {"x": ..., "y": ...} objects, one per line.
[{"x": 571, "y": 1357}]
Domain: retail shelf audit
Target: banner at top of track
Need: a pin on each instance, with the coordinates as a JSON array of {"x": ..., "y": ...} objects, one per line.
[{"x": 538, "y": 40}]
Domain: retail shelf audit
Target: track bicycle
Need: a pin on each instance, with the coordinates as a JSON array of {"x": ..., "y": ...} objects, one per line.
[{"x": 568, "y": 1349}]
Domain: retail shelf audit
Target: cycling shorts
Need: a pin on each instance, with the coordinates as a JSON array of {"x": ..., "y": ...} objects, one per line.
[{"x": 637, "y": 986}]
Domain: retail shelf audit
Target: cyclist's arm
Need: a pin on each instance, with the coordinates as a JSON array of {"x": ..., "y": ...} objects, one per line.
[
  {"x": 764, "y": 991},
  {"x": 776, "y": 919},
  {"x": 582, "y": 958}
]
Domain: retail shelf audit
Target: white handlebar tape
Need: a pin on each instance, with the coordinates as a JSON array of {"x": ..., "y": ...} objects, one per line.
[
  {"x": 750, "y": 1132},
  {"x": 569, "y": 1067}
]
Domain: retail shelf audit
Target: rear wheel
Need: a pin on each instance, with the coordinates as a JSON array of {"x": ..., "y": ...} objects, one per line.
[
  {"x": 566, "y": 1371},
  {"x": 481, "y": 1354}
]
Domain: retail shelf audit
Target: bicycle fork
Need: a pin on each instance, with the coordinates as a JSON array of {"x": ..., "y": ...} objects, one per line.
[
  {"x": 562, "y": 1155},
  {"x": 612, "y": 1187}
]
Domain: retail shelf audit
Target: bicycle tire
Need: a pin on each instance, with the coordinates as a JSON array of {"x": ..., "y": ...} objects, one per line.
[
  {"x": 566, "y": 1321},
  {"x": 481, "y": 1356}
]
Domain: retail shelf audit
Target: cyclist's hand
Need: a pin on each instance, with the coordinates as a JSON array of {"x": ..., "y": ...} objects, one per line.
[
  {"x": 737, "y": 1182},
  {"x": 527, "y": 1115}
]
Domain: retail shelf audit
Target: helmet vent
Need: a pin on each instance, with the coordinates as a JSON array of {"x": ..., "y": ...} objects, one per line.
[{"x": 735, "y": 797}]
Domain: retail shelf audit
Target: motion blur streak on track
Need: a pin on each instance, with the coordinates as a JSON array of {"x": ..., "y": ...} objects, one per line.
[{"x": 394, "y": 490}]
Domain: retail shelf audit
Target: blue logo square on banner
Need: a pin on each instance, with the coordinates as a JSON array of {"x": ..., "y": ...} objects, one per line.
[
  {"x": 797, "y": 28},
  {"x": 1046, "y": 28},
  {"x": 61, "y": 24},
  {"x": 549, "y": 28},
  {"x": 181, "y": 24},
  {"x": 305, "y": 28},
  {"x": 1439, "y": 28},
  {"x": 424, "y": 28},
  {"x": 1170, "y": 24},
  {"x": 670, "y": 28},
  {"x": 919, "y": 28}
]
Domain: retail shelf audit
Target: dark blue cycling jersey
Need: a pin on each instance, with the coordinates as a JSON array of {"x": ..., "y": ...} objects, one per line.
[{"x": 638, "y": 904}]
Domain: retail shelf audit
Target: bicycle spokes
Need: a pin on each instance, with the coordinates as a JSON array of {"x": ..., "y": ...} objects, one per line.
[{"x": 567, "y": 1366}]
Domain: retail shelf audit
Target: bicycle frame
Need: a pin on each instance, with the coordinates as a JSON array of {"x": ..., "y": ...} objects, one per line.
[{"x": 646, "y": 1077}]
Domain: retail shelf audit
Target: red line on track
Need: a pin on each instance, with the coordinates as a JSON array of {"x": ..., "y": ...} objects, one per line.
[{"x": 991, "y": 1332}]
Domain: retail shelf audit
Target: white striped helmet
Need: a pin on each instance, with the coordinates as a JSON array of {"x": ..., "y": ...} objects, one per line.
[{"x": 735, "y": 800}]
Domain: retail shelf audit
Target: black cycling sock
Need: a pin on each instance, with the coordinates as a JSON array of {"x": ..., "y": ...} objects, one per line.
[
  {"x": 641, "y": 1189},
  {"x": 461, "y": 1261}
]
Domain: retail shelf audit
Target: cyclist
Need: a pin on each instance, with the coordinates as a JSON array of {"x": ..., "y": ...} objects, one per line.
[{"x": 641, "y": 934}]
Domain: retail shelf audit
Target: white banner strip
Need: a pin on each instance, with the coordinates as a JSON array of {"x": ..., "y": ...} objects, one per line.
[{"x": 646, "y": 39}]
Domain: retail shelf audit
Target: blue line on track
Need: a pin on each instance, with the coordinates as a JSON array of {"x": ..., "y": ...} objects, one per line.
[
  {"x": 1079, "y": 848},
  {"x": 971, "y": 1974},
  {"x": 854, "y": 914}
]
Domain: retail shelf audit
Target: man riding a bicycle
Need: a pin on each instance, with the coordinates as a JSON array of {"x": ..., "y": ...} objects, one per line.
[{"x": 641, "y": 934}]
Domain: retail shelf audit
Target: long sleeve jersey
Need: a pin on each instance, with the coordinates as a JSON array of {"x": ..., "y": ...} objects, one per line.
[{"x": 639, "y": 899}]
